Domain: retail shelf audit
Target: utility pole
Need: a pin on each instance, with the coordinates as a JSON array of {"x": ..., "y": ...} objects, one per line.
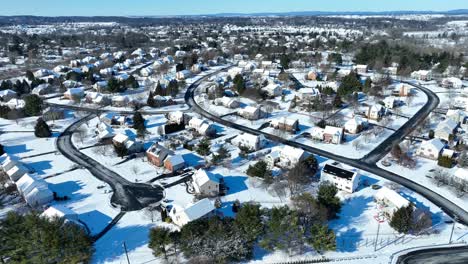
[
  {"x": 126, "y": 253},
  {"x": 377, "y": 237}
]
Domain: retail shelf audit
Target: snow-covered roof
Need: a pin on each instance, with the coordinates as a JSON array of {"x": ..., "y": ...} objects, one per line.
[
  {"x": 447, "y": 124},
  {"x": 462, "y": 174},
  {"x": 59, "y": 211},
  {"x": 175, "y": 160},
  {"x": 202, "y": 176},
  {"x": 395, "y": 198},
  {"x": 249, "y": 109},
  {"x": 434, "y": 143},
  {"x": 120, "y": 138},
  {"x": 331, "y": 130},
  {"x": 199, "y": 209},
  {"x": 292, "y": 153}
]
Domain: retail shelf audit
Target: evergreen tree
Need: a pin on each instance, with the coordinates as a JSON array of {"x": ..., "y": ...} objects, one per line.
[
  {"x": 203, "y": 147},
  {"x": 131, "y": 82},
  {"x": 367, "y": 85},
  {"x": 41, "y": 129},
  {"x": 33, "y": 105},
  {"x": 159, "y": 90},
  {"x": 284, "y": 61},
  {"x": 34, "y": 239},
  {"x": 326, "y": 196},
  {"x": 259, "y": 169},
  {"x": 30, "y": 75},
  {"x": 160, "y": 239},
  {"x": 150, "y": 102},
  {"x": 239, "y": 84},
  {"x": 402, "y": 219},
  {"x": 139, "y": 123},
  {"x": 249, "y": 220},
  {"x": 349, "y": 84},
  {"x": 322, "y": 238}
]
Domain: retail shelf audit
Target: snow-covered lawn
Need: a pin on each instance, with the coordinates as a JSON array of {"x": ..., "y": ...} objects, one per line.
[{"x": 85, "y": 198}]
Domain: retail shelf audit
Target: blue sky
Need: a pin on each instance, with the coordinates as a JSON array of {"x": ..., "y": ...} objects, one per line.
[{"x": 190, "y": 7}]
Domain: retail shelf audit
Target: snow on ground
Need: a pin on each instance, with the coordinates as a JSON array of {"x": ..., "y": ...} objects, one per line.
[
  {"x": 90, "y": 202},
  {"x": 418, "y": 175}
]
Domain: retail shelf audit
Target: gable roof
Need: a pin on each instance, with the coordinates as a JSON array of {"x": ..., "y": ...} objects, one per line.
[
  {"x": 199, "y": 209},
  {"x": 338, "y": 172},
  {"x": 395, "y": 198}
]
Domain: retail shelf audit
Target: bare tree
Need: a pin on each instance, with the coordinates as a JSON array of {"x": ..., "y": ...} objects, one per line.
[{"x": 440, "y": 176}]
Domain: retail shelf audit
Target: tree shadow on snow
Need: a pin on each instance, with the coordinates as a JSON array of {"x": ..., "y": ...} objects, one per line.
[{"x": 110, "y": 247}]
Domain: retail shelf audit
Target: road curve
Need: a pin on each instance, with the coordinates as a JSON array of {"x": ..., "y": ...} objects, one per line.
[
  {"x": 452, "y": 255},
  {"x": 128, "y": 195},
  {"x": 369, "y": 162}
]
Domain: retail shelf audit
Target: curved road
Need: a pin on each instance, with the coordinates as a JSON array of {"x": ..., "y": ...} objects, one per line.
[
  {"x": 367, "y": 163},
  {"x": 128, "y": 195},
  {"x": 458, "y": 255}
]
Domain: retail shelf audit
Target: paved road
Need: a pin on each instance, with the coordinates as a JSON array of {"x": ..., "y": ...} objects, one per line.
[
  {"x": 458, "y": 255},
  {"x": 368, "y": 163},
  {"x": 128, "y": 195}
]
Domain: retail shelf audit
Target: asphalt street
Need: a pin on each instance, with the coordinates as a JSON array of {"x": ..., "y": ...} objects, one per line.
[
  {"x": 129, "y": 196},
  {"x": 368, "y": 163}
]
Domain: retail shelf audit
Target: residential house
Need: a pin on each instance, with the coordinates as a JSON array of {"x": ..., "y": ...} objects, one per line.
[
  {"x": 290, "y": 156},
  {"x": 206, "y": 183},
  {"x": 74, "y": 93},
  {"x": 344, "y": 179},
  {"x": 390, "y": 201},
  {"x": 446, "y": 129},
  {"x": 390, "y": 102},
  {"x": 202, "y": 127},
  {"x": 101, "y": 86},
  {"x": 7, "y": 95},
  {"x": 430, "y": 149},
  {"x": 227, "y": 102},
  {"x": 120, "y": 101},
  {"x": 354, "y": 125},
  {"x": 286, "y": 124},
  {"x": 34, "y": 190},
  {"x": 422, "y": 75},
  {"x": 461, "y": 176},
  {"x": 250, "y": 112},
  {"x": 60, "y": 211},
  {"x": 312, "y": 75},
  {"x": 157, "y": 154},
  {"x": 360, "y": 68},
  {"x": 16, "y": 104},
  {"x": 250, "y": 141},
  {"x": 403, "y": 90},
  {"x": 104, "y": 131},
  {"x": 183, "y": 75},
  {"x": 317, "y": 133},
  {"x": 272, "y": 90},
  {"x": 42, "y": 89},
  {"x": 174, "y": 163},
  {"x": 307, "y": 95},
  {"x": 181, "y": 216},
  {"x": 452, "y": 82},
  {"x": 333, "y": 134},
  {"x": 375, "y": 112},
  {"x": 146, "y": 72},
  {"x": 456, "y": 115},
  {"x": 16, "y": 172},
  {"x": 176, "y": 117}
]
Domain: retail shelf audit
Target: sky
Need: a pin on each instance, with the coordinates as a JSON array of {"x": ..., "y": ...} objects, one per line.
[{"x": 195, "y": 7}]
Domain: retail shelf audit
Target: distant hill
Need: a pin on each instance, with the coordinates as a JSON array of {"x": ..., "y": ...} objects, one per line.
[{"x": 331, "y": 13}]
